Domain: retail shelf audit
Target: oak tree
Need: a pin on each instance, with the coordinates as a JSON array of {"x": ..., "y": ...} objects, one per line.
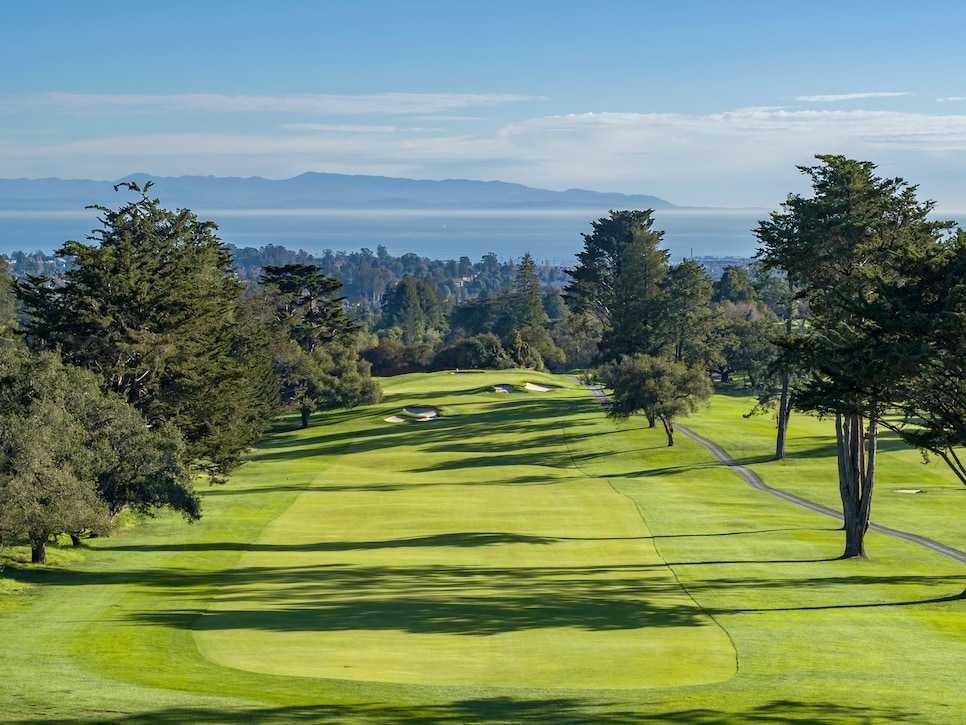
[
  {"x": 660, "y": 389},
  {"x": 73, "y": 457}
]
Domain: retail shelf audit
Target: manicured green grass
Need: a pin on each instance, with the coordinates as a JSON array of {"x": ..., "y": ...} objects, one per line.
[
  {"x": 468, "y": 550},
  {"x": 518, "y": 559}
]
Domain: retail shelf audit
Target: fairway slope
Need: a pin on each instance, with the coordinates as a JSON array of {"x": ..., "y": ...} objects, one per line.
[{"x": 475, "y": 554}]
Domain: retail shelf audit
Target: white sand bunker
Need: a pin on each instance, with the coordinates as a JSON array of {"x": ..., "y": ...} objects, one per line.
[
  {"x": 908, "y": 490},
  {"x": 506, "y": 388},
  {"x": 538, "y": 388},
  {"x": 414, "y": 414}
]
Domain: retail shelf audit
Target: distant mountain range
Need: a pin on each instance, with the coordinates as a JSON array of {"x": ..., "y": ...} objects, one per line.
[{"x": 309, "y": 191}]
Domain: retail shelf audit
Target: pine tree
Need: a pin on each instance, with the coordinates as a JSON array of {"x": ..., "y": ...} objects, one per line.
[
  {"x": 149, "y": 304},
  {"x": 618, "y": 281}
]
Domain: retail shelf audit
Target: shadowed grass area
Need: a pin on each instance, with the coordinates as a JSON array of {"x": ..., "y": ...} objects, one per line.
[
  {"x": 525, "y": 524},
  {"x": 527, "y": 573}
]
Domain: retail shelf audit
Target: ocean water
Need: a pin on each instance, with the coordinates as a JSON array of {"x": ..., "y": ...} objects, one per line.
[{"x": 548, "y": 235}]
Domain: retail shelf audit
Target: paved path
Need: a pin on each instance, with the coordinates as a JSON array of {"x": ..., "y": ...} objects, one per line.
[{"x": 752, "y": 479}]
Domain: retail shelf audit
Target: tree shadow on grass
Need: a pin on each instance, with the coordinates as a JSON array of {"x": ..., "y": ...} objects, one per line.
[
  {"x": 465, "y": 600},
  {"x": 818, "y": 447},
  {"x": 514, "y": 420},
  {"x": 468, "y": 539},
  {"x": 484, "y": 601},
  {"x": 506, "y": 709}
]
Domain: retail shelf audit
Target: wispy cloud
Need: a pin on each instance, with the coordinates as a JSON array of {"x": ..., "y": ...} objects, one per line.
[
  {"x": 744, "y": 157},
  {"x": 950, "y": 99},
  {"x": 834, "y": 98},
  {"x": 322, "y": 104},
  {"x": 337, "y": 128}
]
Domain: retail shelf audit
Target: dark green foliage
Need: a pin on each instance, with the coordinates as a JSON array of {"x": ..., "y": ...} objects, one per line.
[
  {"x": 311, "y": 305},
  {"x": 735, "y": 285},
  {"x": 554, "y": 306},
  {"x": 150, "y": 305},
  {"x": 315, "y": 357},
  {"x": 687, "y": 321},
  {"x": 843, "y": 249},
  {"x": 477, "y": 352},
  {"x": 744, "y": 342},
  {"x": 414, "y": 307},
  {"x": 8, "y": 312},
  {"x": 529, "y": 300},
  {"x": 919, "y": 334},
  {"x": 618, "y": 282},
  {"x": 72, "y": 457},
  {"x": 658, "y": 388}
]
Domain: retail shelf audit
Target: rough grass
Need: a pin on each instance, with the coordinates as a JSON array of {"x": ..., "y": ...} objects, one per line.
[{"x": 511, "y": 529}]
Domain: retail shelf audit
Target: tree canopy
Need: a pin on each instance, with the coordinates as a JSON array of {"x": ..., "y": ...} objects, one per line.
[
  {"x": 661, "y": 389},
  {"x": 842, "y": 247},
  {"x": 149, "y": 304},
  {"x": 316, "y": 357},
  {"x": 72, "y": 457},
  {"x": 618, "y": 281}
]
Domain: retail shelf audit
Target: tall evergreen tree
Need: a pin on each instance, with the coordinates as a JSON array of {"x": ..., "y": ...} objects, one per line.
[
  {"x": 149, "y": 304},
  {"x": 687, "y": 319},
  {"x": 920, "y": 334},
  {"x": 316, "y": 356},
  {"x": 413, "y": 306},
  {"x": 530, "y": 311},
  {"x": 842, "y": 246},
  {"x": 618, "y": 281},
  {"x": 8, "y": 315}
]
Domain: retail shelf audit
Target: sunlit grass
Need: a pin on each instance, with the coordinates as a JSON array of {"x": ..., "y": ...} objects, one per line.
[{"x": 513, "y": 526}]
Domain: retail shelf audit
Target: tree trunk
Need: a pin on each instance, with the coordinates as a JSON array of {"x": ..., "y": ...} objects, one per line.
[
  {"x": 305, "y": 416},
  {"x": 856, "y": 462},
  {"x": 669, "y": 429},
  {"x": 784, "y": 413},
  {"x": 784, "y": 407},
  {"x": 38, "y": 551}
]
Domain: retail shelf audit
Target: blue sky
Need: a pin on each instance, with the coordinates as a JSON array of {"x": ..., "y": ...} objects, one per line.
[{"x": 701, "y": 103}]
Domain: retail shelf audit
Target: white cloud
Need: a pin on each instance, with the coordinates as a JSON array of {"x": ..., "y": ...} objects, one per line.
[
  {"x": 323, "y": 104},
  {"x": 745, "y": 157},
  {"x": 848, "y": 97},
  {"x": 337, "y": 128}
]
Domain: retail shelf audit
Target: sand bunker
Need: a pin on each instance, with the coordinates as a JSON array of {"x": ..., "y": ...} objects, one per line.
[
  {"x": 506, "y": 388},
  {"x": 538, "y": 388},
  {"x": 908, "y": 490},
  {"x": 414, "y": 414}
]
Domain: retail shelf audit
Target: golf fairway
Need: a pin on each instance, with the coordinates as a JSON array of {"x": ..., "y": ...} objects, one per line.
[
  {"x": 458, "y": 555},
  {"x": 397, "y": 566}
]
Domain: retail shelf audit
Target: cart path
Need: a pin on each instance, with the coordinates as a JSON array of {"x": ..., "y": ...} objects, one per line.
[{"x": 752, "y": 479}]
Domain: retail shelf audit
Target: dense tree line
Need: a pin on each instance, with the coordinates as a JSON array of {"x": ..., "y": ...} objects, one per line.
[
  {"x": 663, "y": 329},
  {"x": 148, "y": 361},
  {"x": 72, "y": 456},
  {"x": 854, "y": 309}
]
